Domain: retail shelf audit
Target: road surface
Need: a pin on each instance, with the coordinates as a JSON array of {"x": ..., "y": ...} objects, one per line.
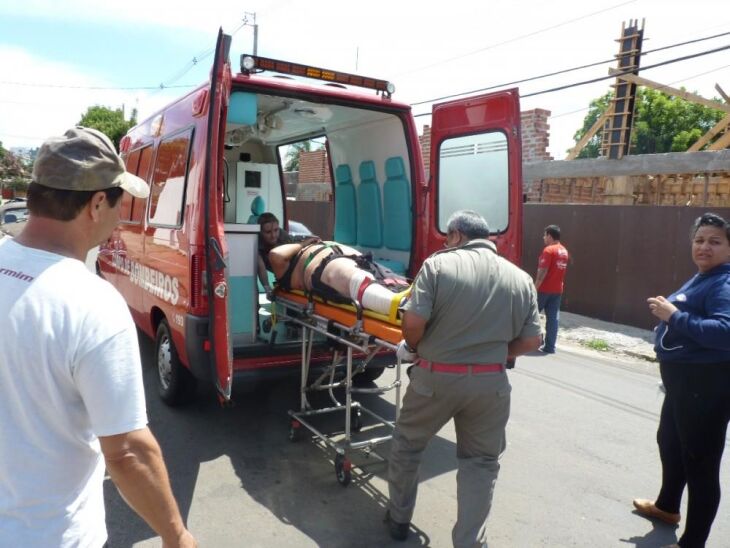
[{"x": 580, "y": 447}]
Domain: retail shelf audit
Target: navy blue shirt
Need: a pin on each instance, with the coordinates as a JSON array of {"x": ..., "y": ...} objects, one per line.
[{"x": 699, "y": 332}]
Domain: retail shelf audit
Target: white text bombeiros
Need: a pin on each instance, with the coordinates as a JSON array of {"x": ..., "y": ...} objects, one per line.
[{"x": 153, "y": 281}]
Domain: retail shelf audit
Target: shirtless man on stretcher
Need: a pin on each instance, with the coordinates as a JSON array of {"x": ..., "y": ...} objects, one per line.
[{"x": 328, "y": 267}]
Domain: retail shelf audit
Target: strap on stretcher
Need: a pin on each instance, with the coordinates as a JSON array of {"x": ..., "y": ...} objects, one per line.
[{"x": 385, "y": 327}]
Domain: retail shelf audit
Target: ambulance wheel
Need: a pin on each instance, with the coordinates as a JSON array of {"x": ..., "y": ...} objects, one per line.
[
  {"x": 369, "y": 375},
  {"x": 175, "y": 382},
  {"x": 343, "y": 470}
]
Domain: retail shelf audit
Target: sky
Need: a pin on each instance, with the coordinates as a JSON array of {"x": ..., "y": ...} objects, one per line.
[{"x": 59, "y": 58}]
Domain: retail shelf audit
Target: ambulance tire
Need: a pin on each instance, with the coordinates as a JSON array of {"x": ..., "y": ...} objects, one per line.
[
  {"x": 175, "y": 382},
  {"x": 368, "y": 376}
]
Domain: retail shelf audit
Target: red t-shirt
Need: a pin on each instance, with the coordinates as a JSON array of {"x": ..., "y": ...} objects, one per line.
[{"x": 554, "y": 259}]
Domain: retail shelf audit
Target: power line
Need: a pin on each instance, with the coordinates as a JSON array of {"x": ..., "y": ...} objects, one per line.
[
  {"x": 196, "y": 59},
  {"x": 553, "y": 116},
  {"x": 166, "y": 84},
  {"x": 97, "y": 88},
  {"x": 516, "y": 38},
  {"x": 611, "y": 76},
  {"x": 563, "y": 71}
]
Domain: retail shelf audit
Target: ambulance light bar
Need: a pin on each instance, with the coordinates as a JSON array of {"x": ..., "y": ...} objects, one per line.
[{"x": 254, "y": 63}]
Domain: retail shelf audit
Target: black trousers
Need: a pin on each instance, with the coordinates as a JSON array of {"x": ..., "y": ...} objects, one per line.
[{"x": 691, "y": 438}]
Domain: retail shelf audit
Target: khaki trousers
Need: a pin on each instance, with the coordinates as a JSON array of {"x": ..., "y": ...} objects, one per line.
[{"x": 479, "y": 405}]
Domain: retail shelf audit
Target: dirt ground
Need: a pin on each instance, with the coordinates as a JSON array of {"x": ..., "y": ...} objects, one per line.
[{"x": 605, "y": 338}]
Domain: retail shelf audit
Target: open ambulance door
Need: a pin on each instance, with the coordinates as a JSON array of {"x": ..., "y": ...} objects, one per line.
[
  {"x": 476, "y": 163},
  {"x": 216, "y": 248}
]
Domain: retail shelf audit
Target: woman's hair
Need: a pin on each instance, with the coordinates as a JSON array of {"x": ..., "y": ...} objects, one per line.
[
  {"x": 469, "y": 223},
  {"x": 267, "y": 217},
  {"x": 64, "y": 205},
  {"x": 710, "y": 219}
]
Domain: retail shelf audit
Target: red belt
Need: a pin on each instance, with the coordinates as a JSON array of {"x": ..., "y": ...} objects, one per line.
[{"x": 461, "y": 367}]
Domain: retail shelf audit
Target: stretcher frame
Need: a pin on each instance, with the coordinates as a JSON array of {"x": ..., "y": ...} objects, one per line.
[{"x": 303, "y": 311}]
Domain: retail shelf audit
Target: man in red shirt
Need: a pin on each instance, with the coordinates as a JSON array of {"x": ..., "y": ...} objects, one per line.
[{"x": 549, "y": 283}]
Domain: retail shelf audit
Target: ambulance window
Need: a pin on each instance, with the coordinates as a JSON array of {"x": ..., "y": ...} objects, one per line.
[
  {"x": 167, "y": 191},
  {"x": 131, "y": 161},
  {"x": 143, "y": 171},
  {"x": 473, "y": 174}
]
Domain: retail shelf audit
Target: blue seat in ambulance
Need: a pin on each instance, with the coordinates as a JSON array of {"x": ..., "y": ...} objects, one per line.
[
  {"x": 397, "y": 222},
  {"x": 345, "y": 206},
  {"x": 258, "y": 206},
  {"x": 369, "y": 208}
]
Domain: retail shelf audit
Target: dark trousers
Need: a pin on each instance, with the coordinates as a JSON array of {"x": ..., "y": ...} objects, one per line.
[
  {"x": 691, "y": 438},
  {"x": 550, "y": 303}
]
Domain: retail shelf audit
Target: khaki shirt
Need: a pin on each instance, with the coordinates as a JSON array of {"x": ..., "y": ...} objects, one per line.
[{"x": 475, "y": 302}]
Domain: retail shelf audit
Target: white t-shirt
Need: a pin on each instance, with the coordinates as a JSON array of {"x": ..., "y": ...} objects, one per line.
[{"x": 69, "y": 372}]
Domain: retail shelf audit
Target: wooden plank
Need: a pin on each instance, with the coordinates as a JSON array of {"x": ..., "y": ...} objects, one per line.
[
  {"x": 642, "y": 164},
  {"x": 670, "y": 90},
  {"x": 588, "y": 136},
  {"x": 722, "y": 142},
  {"x": 722, "y": 93},
  {"x": 707, "y": 137}
]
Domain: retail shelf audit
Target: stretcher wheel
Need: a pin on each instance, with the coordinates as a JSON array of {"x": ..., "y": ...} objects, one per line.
[
  {"x": 343, "y": 470},
  {"x": 355, "y": 421},
  {"x": 295, "y": 431}
]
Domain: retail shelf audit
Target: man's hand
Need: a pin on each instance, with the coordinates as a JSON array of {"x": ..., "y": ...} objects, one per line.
[
  {"x": 405, "y": 352},
  {"x": 185, "y": 540}
]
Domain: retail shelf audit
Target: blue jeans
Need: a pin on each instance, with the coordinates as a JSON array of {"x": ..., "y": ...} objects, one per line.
[{"x": 550, "y": 303}]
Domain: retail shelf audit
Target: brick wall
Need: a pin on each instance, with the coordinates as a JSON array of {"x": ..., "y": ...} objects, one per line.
[
  {"x": 313, "y": 167},
  {"x": 535, "y": 136},
  {"x": 425, "y": 140}
]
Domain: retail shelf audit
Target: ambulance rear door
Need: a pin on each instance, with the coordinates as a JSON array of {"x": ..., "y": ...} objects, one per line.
[
  {"x": 216, "y": 248},
  {"x": 476, "y": 163}
]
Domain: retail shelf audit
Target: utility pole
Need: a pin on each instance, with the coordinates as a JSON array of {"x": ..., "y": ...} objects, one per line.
[{"x": 255, "y": 29}]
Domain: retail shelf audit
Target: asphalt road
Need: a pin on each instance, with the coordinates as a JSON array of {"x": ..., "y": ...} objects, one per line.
[{"x": 580, "y": 447}]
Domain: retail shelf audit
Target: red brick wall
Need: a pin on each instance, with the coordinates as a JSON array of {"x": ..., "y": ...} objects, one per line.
[
  {"x": 313, "y": 167},
  {"x": 535, "y": 137}
]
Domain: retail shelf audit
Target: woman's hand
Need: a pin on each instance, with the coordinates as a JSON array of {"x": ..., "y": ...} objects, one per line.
[{"x": 661, "y": 308}]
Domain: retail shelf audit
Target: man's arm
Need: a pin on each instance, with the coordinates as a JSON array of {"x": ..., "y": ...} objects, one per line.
[
  {"x": 134, "y": 462},
  {"x": 413, "y": 327},
  {"x": 541, "y": 273},
  {"x": 263, "y": 275},
  {"x": 281, "y": 256},
  {"x": 519, "y": 346}
]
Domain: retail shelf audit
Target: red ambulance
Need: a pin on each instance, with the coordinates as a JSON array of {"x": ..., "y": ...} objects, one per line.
[{"x": 185, "y": 258}]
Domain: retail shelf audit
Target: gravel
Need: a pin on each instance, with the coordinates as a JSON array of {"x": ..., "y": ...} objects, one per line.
[{"x": 603, "y": 338}]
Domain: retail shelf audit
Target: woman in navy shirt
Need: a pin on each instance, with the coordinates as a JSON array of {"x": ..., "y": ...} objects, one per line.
[{"x": 693, "y": 348}]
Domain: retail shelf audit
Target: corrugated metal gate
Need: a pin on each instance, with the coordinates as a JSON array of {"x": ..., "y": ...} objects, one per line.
[{"x": 620, "y": 255}]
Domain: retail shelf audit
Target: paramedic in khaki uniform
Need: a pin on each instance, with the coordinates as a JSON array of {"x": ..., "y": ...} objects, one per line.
[
  {"x": 469, "y": 311},
  {"x": 72, "y": 404}
]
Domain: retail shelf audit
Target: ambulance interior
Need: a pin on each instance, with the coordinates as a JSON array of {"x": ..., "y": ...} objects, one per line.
[{"x": 371, "y": 192}]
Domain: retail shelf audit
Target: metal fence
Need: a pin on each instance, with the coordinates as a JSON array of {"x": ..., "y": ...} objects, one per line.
[{"x": 620, "y": 255}]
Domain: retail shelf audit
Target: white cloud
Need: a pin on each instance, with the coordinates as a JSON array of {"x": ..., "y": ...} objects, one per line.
[
  {"x": 383, "y": 39},
  {"x": 32, "y": 112}
]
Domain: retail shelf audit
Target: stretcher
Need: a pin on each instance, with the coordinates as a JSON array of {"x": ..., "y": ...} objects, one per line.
[{"x": 354, "y": 330}]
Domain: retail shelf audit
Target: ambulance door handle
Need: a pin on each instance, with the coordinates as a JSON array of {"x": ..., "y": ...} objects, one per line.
[{"x": 220, "y": 260}]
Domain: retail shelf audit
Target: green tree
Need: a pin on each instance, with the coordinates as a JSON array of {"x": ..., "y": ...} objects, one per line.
[
  {"x": 109, "y": 121},
  {"x": 662, "y": 123},
  {"x": 13, "y": 173}
]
